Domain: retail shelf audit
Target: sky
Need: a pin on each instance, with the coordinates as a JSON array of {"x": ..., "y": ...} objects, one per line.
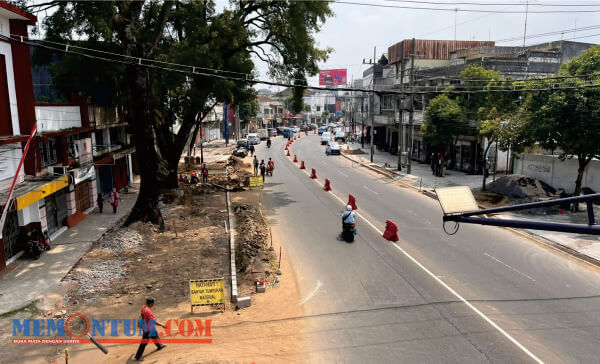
[{"x": 355, "y": 30}]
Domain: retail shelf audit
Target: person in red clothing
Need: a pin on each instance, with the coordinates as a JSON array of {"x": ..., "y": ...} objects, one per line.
[{"x": 149, "y": 329}]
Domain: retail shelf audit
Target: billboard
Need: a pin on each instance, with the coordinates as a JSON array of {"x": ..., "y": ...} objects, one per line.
[{"x": 332, "y": 77}]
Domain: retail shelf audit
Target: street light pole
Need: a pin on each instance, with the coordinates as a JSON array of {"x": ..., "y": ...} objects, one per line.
[
  {"x": 412, "y": 108},
  {"x": 372, "y": 134}
]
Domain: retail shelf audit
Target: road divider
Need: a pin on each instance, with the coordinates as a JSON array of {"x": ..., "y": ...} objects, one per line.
[
  {"x": 327, "y": 186},
  {"x": 391, "y": 231},
  {"x": 352, "y": 201}
]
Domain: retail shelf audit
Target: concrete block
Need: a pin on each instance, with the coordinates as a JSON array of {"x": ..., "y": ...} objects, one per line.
[{"x": 244, "y": 302}]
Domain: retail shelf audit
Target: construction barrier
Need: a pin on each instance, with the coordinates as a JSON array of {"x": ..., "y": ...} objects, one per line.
[
  {"x": 302, "y": 165},
  {"x": 391, "y": 231},
  {"x": 352, "y": 202},
  {"x": 295, "y": 158},
  {"x": 313, "y": 173},
  {"x": 327, "y": 186}
]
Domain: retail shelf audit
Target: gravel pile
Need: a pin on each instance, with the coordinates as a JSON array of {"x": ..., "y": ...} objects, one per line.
[
  {"x": 521, "y": 186},
  {"x": 92, "y": 283},
  {"x": 120, "y": 240}
]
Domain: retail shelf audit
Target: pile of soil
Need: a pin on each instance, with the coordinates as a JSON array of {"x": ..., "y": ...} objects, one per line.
[
  {"x": 521, "y": 186},
  {"x": 353, "y": 151},
  {"x": 253, "y": 259}
]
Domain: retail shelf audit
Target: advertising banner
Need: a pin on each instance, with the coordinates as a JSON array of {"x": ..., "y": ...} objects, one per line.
[{"x": 333, "y": 77}]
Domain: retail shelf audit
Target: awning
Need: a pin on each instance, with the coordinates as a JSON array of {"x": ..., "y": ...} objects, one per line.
[{"x": 39, "y": 193}]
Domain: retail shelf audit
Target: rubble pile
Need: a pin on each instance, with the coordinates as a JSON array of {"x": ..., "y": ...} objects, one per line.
[
  {"x": 99, "y": 279},
  {"x": 521, "y": 186},
  {"x": 120, "y": 240},
  {"x": 252, "y": 237}
]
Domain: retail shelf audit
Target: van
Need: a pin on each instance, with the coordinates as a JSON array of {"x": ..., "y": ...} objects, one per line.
[
  {"x": 340, "y": 135},
  {"x": 253, "y": 138},
  {"x": 325, "y": 137},
  {"x": 263, "y": 133}
]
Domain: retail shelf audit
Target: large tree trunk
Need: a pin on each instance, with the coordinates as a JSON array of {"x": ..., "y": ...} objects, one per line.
[
  {"x": 146, "y": 207},
  {"x": 485, "y": 152},
  {"x": 582, "y": 162}
]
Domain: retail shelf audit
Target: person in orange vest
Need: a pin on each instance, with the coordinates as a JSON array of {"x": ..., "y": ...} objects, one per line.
[{"x": 149, "y": 329}]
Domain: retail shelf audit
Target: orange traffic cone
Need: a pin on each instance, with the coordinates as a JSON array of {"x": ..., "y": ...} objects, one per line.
[
  {"x": 315, "y": 131},
  {"x": 327, "y": 186},
  {"x": 295, "y": 158},
  {"x": 299, "y": 136},
  {"x": 302, "y": 165},
  {"x": 313, "y": 173},
  {"x": 288, "y": 153}
]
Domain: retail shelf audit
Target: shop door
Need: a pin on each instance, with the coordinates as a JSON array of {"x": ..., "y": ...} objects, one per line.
[
  {"x": 10, "y": 235},
  {"x": 82, "y": 196},
  {"x": 56, "y": 211}
]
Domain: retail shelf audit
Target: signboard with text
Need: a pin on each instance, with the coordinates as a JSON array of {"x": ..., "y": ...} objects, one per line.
[
  {"x": 256, "y": 181},
  {"x": 206, "y": 292},
  {"x": 333, "y": 77}
]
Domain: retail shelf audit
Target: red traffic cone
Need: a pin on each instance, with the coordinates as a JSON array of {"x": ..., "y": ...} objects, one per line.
[
  {"x": 299, "y": 136},
  {"x": 288, "y": 153},
  {"x": 286, "y": 147},
  {"x": 302, "y": 165},
  {"x": 306, "y": 133},
  {"x": 313, "y": 173},
  {"x": 327, "y": 186},
  {"x": 295, "y": 158},
  {"x": 352, "y": 201},
  {"x": 315, "y": 131},
  {"x": 391, "y": 231}
]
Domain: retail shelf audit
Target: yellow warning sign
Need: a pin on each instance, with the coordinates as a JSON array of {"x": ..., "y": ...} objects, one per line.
[
  {"x": 256, "y": 181},
  {"x": 204, "y": 292}
]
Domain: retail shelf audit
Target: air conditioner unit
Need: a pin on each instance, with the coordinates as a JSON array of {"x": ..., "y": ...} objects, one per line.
[{"x": 58, "y": 171}]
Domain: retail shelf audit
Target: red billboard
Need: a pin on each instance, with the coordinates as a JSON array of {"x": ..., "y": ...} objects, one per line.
[{"x": 332, "y": 77}]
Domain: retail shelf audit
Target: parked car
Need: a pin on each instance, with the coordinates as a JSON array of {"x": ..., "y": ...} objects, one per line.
[
  {"x": 321, "y": 130},
  {"x": 241, "y": 143},
  {"x": 325, "y": 137},
  {"x": 305, "y": 128},
  {"x": 340, "y": 135},
  {"x": 296, "y": 129},
  {"x": 253, "y": 138},
  {"x": 240, "y": 151},
  {"x": 272, "y": 132},
  {"x": 288, "y": 132},
  {"x": 332, "y": 148}
]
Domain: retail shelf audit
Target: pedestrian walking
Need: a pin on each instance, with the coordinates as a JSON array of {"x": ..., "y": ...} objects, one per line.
[
  {"x": 251, "y": 150},
  {"x": 100, "y": 202},
  {"x": 113, "y": 198},
  {"x": 263, "y": 169},
  {"x": 204, "y": 173},
  {"x": 149, "y": 332},
  {"x": 255, "y": 161},
  {"x": 433, "y": 162}
]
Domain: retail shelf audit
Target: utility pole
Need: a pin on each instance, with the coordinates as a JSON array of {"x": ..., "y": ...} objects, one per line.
[
  {"x": 525, "y": 30},
  {"x": 401, "y": 124},
  {"x": 237, "y": 122},
  {"x": 412, "y": 107},
  {"x": 372, "y": 106}
]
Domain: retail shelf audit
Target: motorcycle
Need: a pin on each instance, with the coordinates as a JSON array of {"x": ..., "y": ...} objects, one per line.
[
  {"x": 36, "y": 244},
  {"x": 348, "y": 231},
  {"x": 268, "y": 144}
]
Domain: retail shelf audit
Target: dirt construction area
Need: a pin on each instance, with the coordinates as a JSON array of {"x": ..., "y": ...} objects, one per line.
[{"x": 131, "y": 263}]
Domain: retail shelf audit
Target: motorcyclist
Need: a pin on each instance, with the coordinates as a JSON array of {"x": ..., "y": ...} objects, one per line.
[
  {"x": 268, "y": 142},
  {"x": 348, "y": 217}
]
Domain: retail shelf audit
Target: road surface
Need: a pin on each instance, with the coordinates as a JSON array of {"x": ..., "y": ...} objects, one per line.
[{"x": 482, "y": 295}]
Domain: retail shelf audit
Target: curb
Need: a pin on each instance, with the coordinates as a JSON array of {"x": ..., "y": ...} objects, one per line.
[
  {"x": 536, "y": 238},
  {"x": 234, "y": 288}
]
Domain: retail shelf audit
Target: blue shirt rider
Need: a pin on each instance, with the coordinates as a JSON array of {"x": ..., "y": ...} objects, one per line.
[{"x": 348, "y": 217}]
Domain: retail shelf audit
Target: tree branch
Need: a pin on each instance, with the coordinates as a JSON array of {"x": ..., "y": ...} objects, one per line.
[{"x": 163, "y": 16}]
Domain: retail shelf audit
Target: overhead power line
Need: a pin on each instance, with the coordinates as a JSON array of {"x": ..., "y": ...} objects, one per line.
[
  {"x": 468, "y": 10},
  {"x": 192, "y": 71},
  {"x": 475, "y": 3}
]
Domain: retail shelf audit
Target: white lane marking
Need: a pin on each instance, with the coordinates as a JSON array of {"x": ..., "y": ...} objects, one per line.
[
  {"x": 443, "y": 284},
  {"x": 312, "y": 293},
  {"x": 343, "y": 174},
  {"x": 508, "y": 266},
  {"x": 412, "y": 213},
  {"x": 368, "y": 189},
  {"x": 325, "y": 163}
]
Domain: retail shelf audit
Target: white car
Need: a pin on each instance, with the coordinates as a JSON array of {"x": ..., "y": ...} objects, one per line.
[
  {"x": 253, "y": 138},
  {"x": 332, "y": 148},
  {"x": 325, "y": 137},
  {"x": 296, "y": 129}
]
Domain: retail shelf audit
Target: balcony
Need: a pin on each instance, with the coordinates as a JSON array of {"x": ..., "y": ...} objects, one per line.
[{"x": 57, "y": 118}]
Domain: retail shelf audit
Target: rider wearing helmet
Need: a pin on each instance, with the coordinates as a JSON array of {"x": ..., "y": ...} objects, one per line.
[{"x": 348, "y": 215}]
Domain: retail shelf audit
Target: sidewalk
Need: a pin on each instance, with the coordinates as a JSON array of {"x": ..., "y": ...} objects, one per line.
[
  {"x": 27, "y": 280},
  {"x": 586, "y": 247}
]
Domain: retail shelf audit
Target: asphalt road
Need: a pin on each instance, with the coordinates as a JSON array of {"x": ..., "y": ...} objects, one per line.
[{"x": 482, "y": 295}]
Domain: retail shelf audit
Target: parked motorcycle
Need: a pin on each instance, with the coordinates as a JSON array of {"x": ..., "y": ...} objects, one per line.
[{"x": 36, "y": 244}]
